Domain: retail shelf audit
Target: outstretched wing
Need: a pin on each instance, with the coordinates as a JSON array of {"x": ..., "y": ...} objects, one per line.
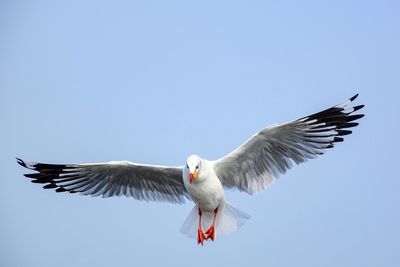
[
  {"x": 258, "y": 162},
  {"x": 115, "y": 178}
]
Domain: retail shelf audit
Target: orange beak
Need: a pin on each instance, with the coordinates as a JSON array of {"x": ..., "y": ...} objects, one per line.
[{"x": 192, "y": 176}]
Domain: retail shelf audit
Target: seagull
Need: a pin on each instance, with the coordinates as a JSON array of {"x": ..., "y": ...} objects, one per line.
[{"x": 251, "y": 168}]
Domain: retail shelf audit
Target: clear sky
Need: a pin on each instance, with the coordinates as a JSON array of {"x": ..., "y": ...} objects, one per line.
[{"x": 153, "y": 82}]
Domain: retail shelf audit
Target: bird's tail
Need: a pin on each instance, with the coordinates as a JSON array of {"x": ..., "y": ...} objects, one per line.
[{"x": 228, "y": 220}]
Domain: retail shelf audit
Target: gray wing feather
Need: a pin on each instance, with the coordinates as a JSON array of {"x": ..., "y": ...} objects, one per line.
[
  {"x": 258, "y": 162},
  {"x": 116, "y": 178}
]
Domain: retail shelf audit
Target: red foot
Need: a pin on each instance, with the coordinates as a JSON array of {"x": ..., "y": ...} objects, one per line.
[
  {"x": 200, "y": 236},
  {"x": 211, "y": 233}
]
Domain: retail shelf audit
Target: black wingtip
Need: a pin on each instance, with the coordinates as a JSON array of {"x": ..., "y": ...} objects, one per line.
[
  {"x": 347, "y": 125},
  {"x": 358, "y": 107},
  {"x": 338, "y": 139},
  {"x": 354, "y": 117},
  {"x": 343, "y": 132},
  {"x": 50, "y": 186},
  {"x": 32, "y": 175},
  {"x": 354, "y": 97},
  {"x": 21, "y": 162},
  {"x": 60, "y": 189}
]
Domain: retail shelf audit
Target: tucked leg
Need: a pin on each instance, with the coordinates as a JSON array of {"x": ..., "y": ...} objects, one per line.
[
  {"x": 211, "y": 231},
  {"x": 200, "y": 235}
]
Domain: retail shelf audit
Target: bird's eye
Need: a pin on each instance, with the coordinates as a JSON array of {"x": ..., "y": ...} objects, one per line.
[
  {"x": 187, "y": 166},
  {"x": 197, "y": 167}
]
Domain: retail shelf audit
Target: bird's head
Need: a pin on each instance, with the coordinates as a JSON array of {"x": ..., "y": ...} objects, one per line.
[{"x": 193, "y": 165}]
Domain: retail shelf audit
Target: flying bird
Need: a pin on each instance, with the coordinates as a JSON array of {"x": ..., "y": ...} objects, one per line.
[{"x": 251, "y": 168}]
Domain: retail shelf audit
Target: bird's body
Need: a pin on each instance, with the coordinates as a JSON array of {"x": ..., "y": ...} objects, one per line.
[
  {"x": 252, "y": 167},
  {"x": 206, "y": 191}
]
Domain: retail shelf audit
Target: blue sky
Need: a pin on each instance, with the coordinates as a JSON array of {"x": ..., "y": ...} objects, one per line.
[{"x": 153, "y": 82}]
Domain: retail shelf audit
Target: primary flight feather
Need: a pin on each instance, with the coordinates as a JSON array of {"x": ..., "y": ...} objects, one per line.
[{"x": 251, "y": 168}]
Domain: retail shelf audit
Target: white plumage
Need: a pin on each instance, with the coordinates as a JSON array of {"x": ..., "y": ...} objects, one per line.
[{"x": 252, "y": 167}]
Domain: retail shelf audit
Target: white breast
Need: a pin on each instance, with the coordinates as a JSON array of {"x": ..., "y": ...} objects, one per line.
[{"x": 206, "y": 190}]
